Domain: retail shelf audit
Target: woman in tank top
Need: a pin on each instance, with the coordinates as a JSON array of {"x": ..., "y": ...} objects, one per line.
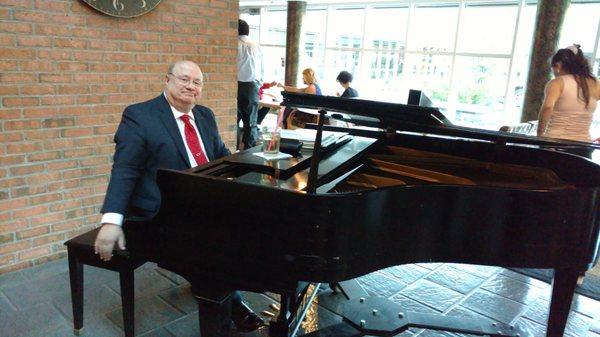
[{"x": 570, "y": 98}]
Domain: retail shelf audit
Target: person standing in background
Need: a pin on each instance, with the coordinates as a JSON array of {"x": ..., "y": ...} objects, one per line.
[
  {"x": 249, "y": 66},
  {"x": 345, "y": 78},
  {"x": 570, "y": 98}
]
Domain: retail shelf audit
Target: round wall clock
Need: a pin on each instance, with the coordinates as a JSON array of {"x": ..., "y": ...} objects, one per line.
[{"x": 123, "y": 8}]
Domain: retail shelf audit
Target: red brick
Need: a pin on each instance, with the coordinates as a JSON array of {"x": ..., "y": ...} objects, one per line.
[
  {"x": 33, "y": 253},
  {"x": 29, "y": 233},
  {"x": 14, "y": 267},
  {"x": 58, "y": 100},
  {"x": 16, "y": 53},
  {"x": 23, "y": 148},
  {"x": 44, "y": 199},
  {"x": 65, "y": 205},
  {"x": 70, "y": 43},
  {"x": 12, "y": 160},
  {"x": 8, "y": 65},
  {"x": 55, "y": 78},
  {"x": 33, "y": 41},
  {"x": 44, "y": 156},
  {"x": 12, "y": 226},
  {"x": 77, "y": 132},
  {"x": 6, "y": 238},
  {"x": 46, "y": 220},
  {"x": 68, "y": 225},
  {"x": 27, "y": 169},
  {"x": 13, "y": 182},
  {"x": 31, "y": 16},
  {"x": 72, "y": 66},
  {"x": 14, "y": 247},
  {"x": 52, "y": 30},
  {"x": 6, "y": 259},
  {"x": 15, "y": 27},
  {"x": 54, "y": 54},
  {"x": 10, "y": 114},
  {"x": 42, "y": 134},
  {"x": 73, "y": 89},
  {"x": 31, "y": 211},
  {"x": 36, "y": 66},
  {"x": 38, "y": 89},
  {"x": 18, "y": 78},
  {"x": 44, "y": 240}
]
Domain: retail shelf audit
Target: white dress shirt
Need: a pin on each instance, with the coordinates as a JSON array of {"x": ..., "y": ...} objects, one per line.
[
  {"x": 116, "y": 218},
  {"x": 249, "y": 60}
]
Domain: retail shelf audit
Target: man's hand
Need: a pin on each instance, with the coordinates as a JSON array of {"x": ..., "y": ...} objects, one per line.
[{"x": 108, "y": 235}]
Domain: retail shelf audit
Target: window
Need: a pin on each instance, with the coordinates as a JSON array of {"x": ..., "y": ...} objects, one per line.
[
  {"x": 479, "y": 28},
  {"x": 433, "y": 28},
  {"x": 471, "y": 57}
]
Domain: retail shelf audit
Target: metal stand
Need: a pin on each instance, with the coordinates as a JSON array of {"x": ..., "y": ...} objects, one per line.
[{"x": 290, "y": 313}]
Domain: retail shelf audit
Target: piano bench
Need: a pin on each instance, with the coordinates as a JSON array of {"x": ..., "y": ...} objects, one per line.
[{"x": 80, "y": 250}]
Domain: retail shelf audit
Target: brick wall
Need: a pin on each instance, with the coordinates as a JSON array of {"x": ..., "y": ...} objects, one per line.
[{"x": 66, "y": 73}]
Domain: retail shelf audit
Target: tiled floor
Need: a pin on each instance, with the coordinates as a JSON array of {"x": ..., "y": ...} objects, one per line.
[{"x": 36, "y": 302}]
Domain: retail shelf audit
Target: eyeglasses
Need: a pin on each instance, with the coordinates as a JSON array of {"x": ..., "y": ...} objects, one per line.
[{"x": 187, "y": 81}]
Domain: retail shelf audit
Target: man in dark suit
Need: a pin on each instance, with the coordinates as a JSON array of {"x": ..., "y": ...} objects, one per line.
[{"x": 169, "y": 131}]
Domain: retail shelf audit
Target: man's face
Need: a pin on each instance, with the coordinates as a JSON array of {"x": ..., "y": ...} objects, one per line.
[{"x": 184, "y": 84}]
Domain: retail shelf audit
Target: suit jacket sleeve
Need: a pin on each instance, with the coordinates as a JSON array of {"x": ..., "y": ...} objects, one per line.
[{"x": 129, "y": 162}]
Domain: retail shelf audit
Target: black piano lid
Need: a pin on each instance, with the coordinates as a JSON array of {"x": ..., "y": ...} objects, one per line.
[{"x": 415, "y": 118}]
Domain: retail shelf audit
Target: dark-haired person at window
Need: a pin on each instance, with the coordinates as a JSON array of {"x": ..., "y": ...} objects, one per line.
[
  {"x": 291, "y": 118},
  {"x": 344, "y": 78},
  {"x": 249, "y": 66},
  {"x": 570, "y": 98}
]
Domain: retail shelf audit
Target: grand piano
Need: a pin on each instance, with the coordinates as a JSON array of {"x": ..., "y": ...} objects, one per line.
[{"x": 408, "y": 188}]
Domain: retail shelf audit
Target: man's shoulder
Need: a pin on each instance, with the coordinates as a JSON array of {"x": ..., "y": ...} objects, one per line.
[{"x": 146, "y": 106}]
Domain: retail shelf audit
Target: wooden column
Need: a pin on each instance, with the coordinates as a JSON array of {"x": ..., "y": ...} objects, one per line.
[
  {"x": 548, "y": 23},
  {"x": 295, "y": 15}
]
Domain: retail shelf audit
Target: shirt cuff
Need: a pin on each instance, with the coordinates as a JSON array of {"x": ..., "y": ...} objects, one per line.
[{"x": 113, "y": 218}]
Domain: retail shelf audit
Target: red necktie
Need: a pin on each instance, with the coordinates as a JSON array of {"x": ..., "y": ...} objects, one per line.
[{"x": 191, "y": 138}]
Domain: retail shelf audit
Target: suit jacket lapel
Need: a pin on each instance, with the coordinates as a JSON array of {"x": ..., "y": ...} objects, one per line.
[
  {"x": 171, "y": 125},
  {"x": 201, "y": 124}
]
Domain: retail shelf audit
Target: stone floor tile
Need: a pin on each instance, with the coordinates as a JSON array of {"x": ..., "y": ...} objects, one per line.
[
  {"x": 513, "y": 289},
  {"x": 432, "y": 294},
  {"x": 493, "y": 306},
  {"x": 407, "y": 273},
  {"x": 530, "y": 328},
  {"x": 34, "y": 321},
  {"x": 478, "y": 270},
  {"x": 33, "y": 292},
  {"x": 147, "y": 282},
  {"x": 160, "y": 332},
  {"x": 5, "y": 305},
  {"x": 52, "y": 268},
  {"x": 172, "y": 276},
  {"x": 11, "y": 279},
  {"x": 376, "y": 284},
  {"x": 97, "y": 300},
  {"x": 524, "y": 278},
  {"x": 587, "y": 306},
  {"x": 430, "y": 265},
  {"x": 409, "y": 305},
  {"x": 577, "y": 324},
  {"x": 455, "y": 279},
  {"x": 181, "y": 298},
  {"x": 332, "y": 301},
  {"x": 150, "y": 313},
  {"x": 98, "y": 326},
  {"x": 592, "y": 334},
  {"x": 93, "y": 276},
  {"x": 434, "y": 333}
]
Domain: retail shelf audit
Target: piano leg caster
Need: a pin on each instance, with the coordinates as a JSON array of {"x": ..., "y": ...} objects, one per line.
[{"x": 78, "y": 332}]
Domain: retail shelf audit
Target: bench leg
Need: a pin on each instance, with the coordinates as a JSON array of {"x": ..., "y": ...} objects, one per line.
[
  {"x": 127, "y": 300},
  {"x": 76, "y": 278}
]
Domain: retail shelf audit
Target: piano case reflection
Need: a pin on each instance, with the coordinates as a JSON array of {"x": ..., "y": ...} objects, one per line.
[{"x": 410, "y": 188}]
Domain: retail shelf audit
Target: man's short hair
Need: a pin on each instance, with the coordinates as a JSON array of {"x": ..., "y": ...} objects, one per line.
[
  {"x": 344, "y": 77},
  {"x": 243, "y": 28}
]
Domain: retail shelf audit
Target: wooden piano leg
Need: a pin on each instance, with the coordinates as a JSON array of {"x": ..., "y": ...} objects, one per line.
[
  {"x": 280, "y": 327},
  {"x": 563, "y": 287}
]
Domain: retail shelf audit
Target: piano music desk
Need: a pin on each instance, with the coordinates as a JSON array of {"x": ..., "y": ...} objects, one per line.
[{"x": 81, "y": 251}]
